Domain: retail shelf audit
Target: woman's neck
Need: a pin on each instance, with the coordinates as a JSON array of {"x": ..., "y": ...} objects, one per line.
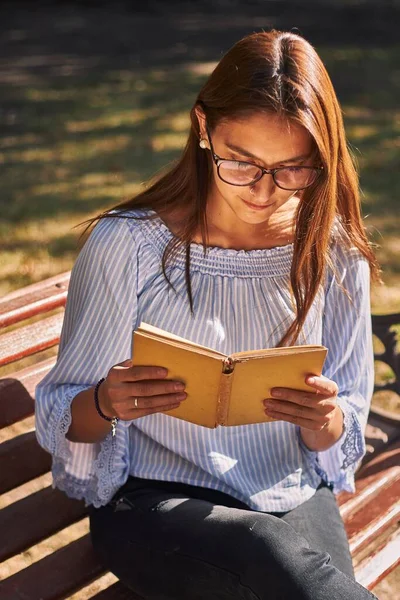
[{"x": 278, "y": 231}]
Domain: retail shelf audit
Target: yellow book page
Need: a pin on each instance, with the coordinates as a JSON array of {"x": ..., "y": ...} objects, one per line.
[
  {"x": 254, "y": 378},
  {"x": 281, "y": 351},
  {"x": 156, "y": 332},
  {"x": 200, "y": 373}
]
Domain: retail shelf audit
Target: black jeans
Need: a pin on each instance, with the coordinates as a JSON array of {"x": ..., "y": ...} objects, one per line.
[{"x": 171, "y": 541}]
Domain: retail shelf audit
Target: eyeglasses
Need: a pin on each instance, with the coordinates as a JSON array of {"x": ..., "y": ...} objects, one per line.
[{"x": 241, "y": 173}]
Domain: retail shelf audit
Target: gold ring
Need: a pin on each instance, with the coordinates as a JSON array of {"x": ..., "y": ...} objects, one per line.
[{"x": 136, "y": 403}]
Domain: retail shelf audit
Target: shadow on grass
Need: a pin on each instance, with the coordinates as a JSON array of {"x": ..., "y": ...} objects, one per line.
[{"x": 95, "y": 99}]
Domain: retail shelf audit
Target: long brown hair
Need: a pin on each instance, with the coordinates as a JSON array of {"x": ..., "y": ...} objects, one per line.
[{"x": 275, "y": 72}]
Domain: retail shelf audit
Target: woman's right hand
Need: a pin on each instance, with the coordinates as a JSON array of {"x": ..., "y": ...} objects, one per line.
[{"x": 148, "y": 385}]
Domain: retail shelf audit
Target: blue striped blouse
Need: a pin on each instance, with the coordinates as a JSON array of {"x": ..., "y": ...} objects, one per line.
[{"x": 241, "y": 302}]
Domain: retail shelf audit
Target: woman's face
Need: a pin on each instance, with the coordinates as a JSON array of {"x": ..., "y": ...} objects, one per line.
[{"x": 263, "y": 139}]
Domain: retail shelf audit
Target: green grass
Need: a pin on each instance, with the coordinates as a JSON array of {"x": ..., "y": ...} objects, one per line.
[
  {"x": 367, "y": 84},
  {"x": 75, "y": 145},
  {"x": 78, "y": 151}
]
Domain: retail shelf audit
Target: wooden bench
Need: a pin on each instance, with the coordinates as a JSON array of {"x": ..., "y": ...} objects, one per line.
[{"x": 371, "y": 515}]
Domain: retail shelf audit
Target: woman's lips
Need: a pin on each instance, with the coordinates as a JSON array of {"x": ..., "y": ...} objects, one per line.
[{"x": 258, "y": 206}]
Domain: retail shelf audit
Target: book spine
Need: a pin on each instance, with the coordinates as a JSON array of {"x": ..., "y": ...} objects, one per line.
[
  {"x": 228, "y": 365},
  {"x": 225, "y": 391}
]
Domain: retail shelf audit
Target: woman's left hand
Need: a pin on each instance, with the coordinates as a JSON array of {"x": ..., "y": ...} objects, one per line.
[{"x": 314, "y": 411}]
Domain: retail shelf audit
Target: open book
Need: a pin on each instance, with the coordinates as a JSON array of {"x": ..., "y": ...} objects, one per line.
[{"x": 225, "y": 390}]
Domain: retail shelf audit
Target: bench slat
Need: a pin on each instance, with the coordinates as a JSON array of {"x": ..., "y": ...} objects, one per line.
[
  {"x": 372, "y": 514},
  {"x": 22, "y": 404},
  {"x": 374, "y": 518},
  {"x": 383, "y": 561},
  {"x": 385, "y": 464},
  {"x": 28, "y": 340},
  {"x": 117, "y": 592},
  {"x": 34, "y": 299},
  {"x": 32, "y": 519},
  {"x": 368, "y": 489},
  {"x": 56, "y": 576},
  {"x": 22, "y": 459},
  {"x": 20, "y": 386}
]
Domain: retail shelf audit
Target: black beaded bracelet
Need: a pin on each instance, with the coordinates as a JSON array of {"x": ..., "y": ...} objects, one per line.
[{"x": 112, "y": 420}]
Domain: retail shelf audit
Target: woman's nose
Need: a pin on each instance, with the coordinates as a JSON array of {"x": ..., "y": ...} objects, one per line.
[{"x": 264, "y": 188}]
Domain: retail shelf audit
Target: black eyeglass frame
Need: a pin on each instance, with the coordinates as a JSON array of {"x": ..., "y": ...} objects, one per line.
[{"x": 217, "y": 160}]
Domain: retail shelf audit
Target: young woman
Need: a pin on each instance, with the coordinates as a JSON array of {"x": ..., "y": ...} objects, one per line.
[{"x": 253, "y": 240}]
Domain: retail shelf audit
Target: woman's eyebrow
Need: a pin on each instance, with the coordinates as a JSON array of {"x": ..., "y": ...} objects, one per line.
[{"x": 246, "y": 153}]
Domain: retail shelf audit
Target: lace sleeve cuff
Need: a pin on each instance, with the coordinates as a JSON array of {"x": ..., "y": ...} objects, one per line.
[
  {"x": 60, "y": 422},
  {"x": 352, "y": 443},
  {"x": 86, "y": 471}
]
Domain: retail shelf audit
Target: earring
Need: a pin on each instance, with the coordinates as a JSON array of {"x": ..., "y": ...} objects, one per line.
[{"x": 203, "y": 144}]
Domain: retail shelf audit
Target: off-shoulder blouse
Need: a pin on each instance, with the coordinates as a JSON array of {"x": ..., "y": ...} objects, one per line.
[{"x": 241, "y": 302}]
